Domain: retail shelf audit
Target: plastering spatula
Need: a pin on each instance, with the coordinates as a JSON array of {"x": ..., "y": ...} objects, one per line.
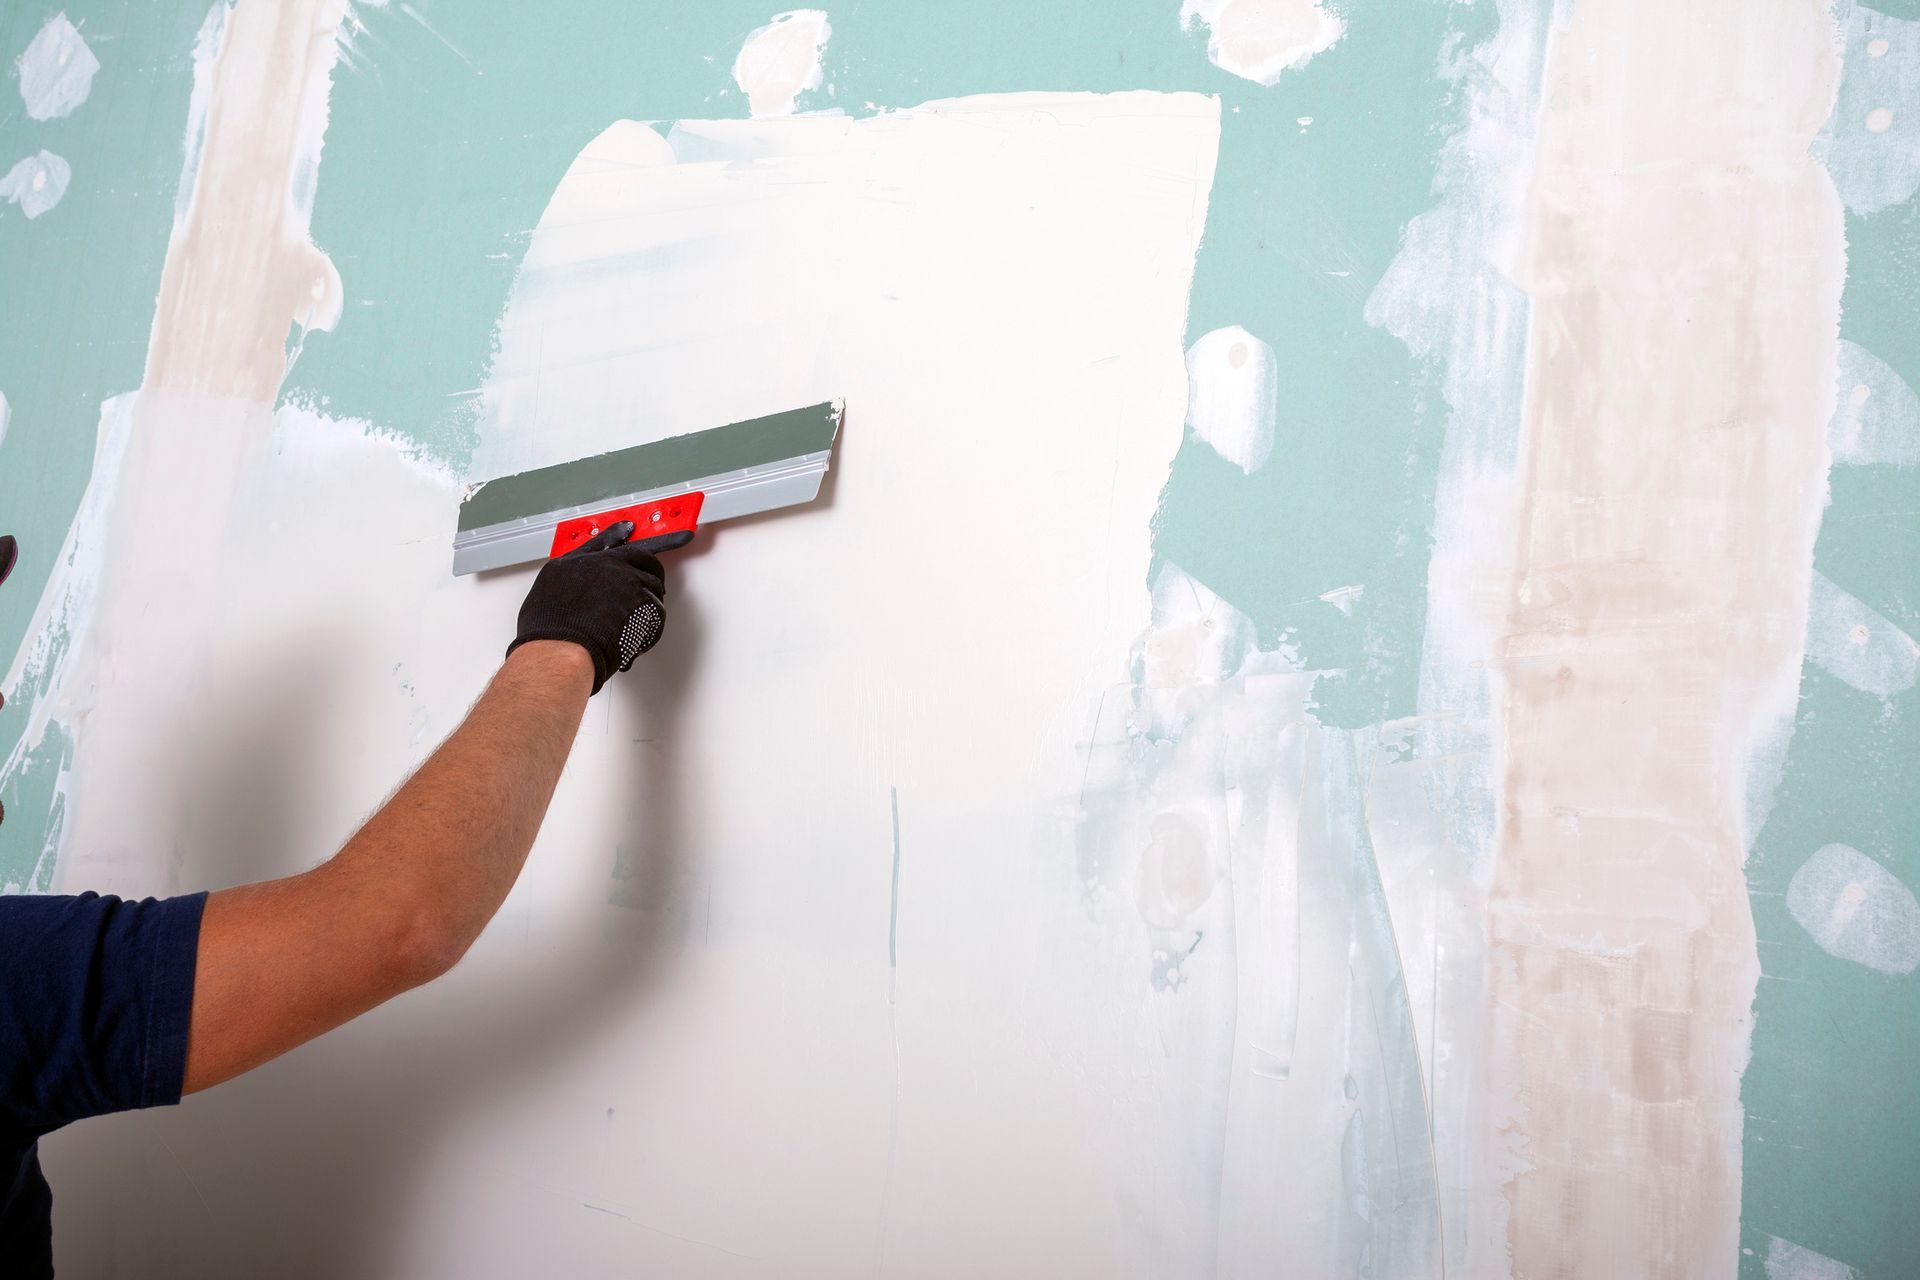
[{"x": 663, "y": 487}]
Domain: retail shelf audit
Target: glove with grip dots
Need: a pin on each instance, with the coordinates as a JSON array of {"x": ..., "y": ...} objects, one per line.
[{"x": 608, "y": 595}]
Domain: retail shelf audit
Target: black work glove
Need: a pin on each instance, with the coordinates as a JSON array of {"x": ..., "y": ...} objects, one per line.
[{"x": 607, "y": 595}]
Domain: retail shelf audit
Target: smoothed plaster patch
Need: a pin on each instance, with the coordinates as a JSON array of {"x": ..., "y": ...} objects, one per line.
[
  {"x": 1856, "y": 909},
  {"x": 37, "y": 183},
  {"x": 1260, "y": 40},
  {"x": 780, "y": 61},
  {"x": 1786, "y": 1260},
  {"x": 1876, "y": 415},
  {"x": 1232, "y": 385},
  {"x": 1852, "y": 641},
  {"x": 57, "y": 70}
]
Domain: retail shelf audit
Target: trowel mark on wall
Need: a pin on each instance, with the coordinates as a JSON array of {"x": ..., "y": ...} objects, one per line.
[
  {"x": 1871, "y": 143},
  {"x": 1233, "y": 383},
  {"x": 1856, "y": 909},
  {"x": 780, "y": 61},
  {"x": 1344, "y": 598},
  {"x": 1789, "y": 1261},
  {"x": 37, "y": 183},
  {"x": 1876, "y": 418},
  {"x": 434, "y": 31},
  {"x": 56, "y": 71},
  {"x": 1259, "y": 40},
  {"x": 1850, "y": 640}
]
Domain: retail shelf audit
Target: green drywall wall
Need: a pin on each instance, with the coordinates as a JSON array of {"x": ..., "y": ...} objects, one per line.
[{"x": 443, "y": 149}]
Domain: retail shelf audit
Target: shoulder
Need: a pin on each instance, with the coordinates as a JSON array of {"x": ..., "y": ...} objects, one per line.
[{"x": 94, "y": 1003}]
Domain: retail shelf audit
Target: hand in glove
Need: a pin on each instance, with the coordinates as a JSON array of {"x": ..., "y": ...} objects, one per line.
[{"x": 607, "y": 595}]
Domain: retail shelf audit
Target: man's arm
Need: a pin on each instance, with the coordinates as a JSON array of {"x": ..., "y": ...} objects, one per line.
[
  {"x": 286, "y": 960},
  {"x": 282, "y": 962}
]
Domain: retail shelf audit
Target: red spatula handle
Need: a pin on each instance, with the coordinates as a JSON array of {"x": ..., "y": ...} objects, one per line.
[{"x": 680, "y": 513}]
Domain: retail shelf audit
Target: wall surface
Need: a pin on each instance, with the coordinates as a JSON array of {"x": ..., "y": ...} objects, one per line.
[{"x": 1348, "y": 709}]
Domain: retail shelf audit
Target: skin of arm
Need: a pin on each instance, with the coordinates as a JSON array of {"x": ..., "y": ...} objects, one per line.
[{"x": 283, "y": 961}]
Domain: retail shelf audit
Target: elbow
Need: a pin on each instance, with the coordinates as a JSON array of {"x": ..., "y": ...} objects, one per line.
[{"x": 426, "y": 946}]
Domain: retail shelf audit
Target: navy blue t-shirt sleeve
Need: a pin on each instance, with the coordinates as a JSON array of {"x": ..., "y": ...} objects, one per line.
[{"x": 96, "y": 997}]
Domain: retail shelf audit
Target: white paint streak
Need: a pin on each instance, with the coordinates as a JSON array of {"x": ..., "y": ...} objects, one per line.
[
  {"x": 1449, "y": 296},
  {"x": 1233, "y": 385},
  {"x": 1260, "y": 40},
  {"x": 38, "y": 678},
  {"x": 1856, "y": 909},
  {"x": 434, "y": 31},
  {"x": 1786, "y": 1260},
  {"x": 1877, "y": 416},
  {"x": 1852, "y": 641},
  {"x": 56, "y": 71},
  {"x": 206, "y": 56},
  {"x": 36, "y": 183},
  {"x": 780, "y": 61}
]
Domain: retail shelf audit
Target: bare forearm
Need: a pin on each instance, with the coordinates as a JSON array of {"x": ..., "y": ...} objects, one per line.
[
  {"x": 286, "y": 960},
  {"x": 452, "y": 840}
]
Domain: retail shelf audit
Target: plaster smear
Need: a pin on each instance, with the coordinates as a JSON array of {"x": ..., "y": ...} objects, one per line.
[
  {"x": 707, "y": 912},
  {"x": 218, "y": 344},
  {"x": 37, "y": 183},
  {"x": 1852, "y": 641},
  {"x": 1877, "y": 419},
  {"x": 1671, "y": 488},
  {"x": 241, "y": 269},
  {"x": 1856, "y": 909},
  {"x": 61, "y": 622},
  {"x": 1786, "y": 1260},
  {"x": 1617, "y": 600},
  {"x": 1221, "y": 842},
  {"x": 1261, "y": 40},
  {"x": 1233, "y": 389},
  {"x": 56, "y": 71},
  {"x": 780, "y": 61},
  {"x": 1871, "y": 142},
  {"x": 1449, "y": 295}
]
